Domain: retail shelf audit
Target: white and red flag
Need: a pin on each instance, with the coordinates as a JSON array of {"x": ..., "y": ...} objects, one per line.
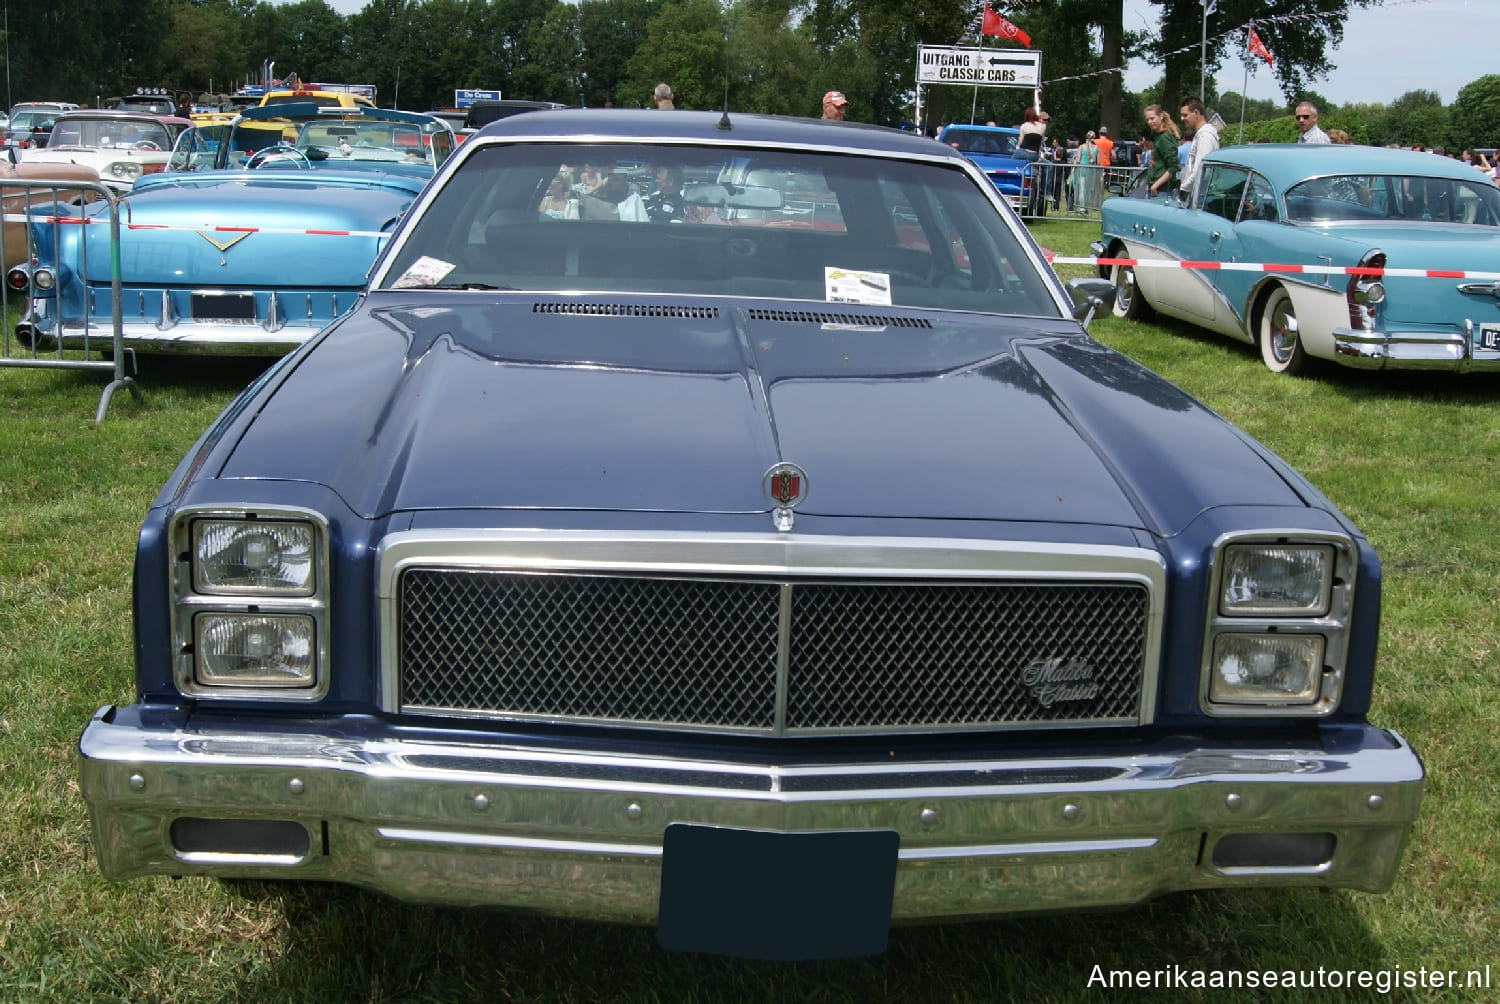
[
  {"x": 1258, "y": 48},
  {"x": 994, "y": 24}
]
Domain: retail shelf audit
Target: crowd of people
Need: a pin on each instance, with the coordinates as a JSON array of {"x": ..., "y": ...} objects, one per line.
[{"x": 1166, "y": 162}]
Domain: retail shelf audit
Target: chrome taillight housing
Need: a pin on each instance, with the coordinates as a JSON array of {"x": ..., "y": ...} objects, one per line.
[{"x": 1365, "y": 293}]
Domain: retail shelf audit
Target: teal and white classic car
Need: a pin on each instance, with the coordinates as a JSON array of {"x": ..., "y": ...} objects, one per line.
[{"x": 1370, "y": 258}]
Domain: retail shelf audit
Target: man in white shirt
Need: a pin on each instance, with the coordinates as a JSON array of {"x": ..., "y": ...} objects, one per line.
[
  {"x": 1307, "y": 124},
  {"x": 1205, "y": 142}
]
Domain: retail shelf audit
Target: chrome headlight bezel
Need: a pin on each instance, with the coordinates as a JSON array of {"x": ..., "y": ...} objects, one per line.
[
  {"x": 1315, "y": 628},
  {"x": 198, "y": 601}
]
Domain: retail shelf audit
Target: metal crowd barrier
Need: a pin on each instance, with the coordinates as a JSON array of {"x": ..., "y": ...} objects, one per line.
[
  {"x": 41, "y": 202},
  {"x": 1074, "y": 191}
]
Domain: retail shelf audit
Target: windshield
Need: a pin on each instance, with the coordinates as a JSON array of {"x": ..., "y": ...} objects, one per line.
[
  {"x": 981, "y": 141},
  {"x": 1364, "y": 197},
  {"x": 720, "y": 221},
  {"x": 110, "y": 134}
]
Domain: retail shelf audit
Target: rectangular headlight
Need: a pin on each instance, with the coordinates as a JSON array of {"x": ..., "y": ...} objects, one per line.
[
  {"x": 1266, "y": 669},
  {"x": 271, "y": 557},
  {"x": 255, "y": 650},
  {"x": 1276, "y": 580}
]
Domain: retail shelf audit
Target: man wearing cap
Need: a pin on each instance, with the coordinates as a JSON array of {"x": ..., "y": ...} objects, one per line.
[
  {"x": 1105, "y": 146},
  {"x": 833, "y": 105}
]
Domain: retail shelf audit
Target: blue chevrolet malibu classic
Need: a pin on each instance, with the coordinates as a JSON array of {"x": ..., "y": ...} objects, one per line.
[
  {"x": 259, "y": 234},
  {"x": 630, "y": 567},
  {"x": 1330, "y": 208}
]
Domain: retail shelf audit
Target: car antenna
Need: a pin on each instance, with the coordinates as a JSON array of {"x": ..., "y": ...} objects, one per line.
[{"x": 724, "y": 125}]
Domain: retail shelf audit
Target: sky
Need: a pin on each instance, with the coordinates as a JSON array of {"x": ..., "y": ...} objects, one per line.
[{"x": 1403, "y": 45}]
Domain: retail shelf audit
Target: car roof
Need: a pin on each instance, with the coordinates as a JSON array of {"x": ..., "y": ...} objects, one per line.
[
  {"x": 652, "y": 126},
  {"x": 1285, "y": 164}
]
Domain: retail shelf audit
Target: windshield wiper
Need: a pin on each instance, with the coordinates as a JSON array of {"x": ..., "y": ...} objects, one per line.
[{"x": 472, "y": 285}]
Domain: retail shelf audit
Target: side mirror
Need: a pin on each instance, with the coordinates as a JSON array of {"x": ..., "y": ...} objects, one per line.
[{"x": 1088, "y": 296}]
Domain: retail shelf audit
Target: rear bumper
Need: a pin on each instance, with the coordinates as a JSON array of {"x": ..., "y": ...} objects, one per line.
[
  {"x": 183, "y": 338},
  {"x": 1412, "y": 350},
  {"x": 580, "y": 834}
]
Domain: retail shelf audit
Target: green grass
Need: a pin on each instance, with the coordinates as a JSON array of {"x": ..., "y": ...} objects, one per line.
[{"x": 1412, "y": 459}]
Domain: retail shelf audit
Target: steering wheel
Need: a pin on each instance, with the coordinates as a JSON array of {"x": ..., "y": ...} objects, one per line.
[
  {"x": 281, "y": 151},
  {"x": 147, "y": 144}
]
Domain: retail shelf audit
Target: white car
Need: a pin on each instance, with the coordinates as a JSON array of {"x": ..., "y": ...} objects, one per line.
[{"x": 121, "y": 146}]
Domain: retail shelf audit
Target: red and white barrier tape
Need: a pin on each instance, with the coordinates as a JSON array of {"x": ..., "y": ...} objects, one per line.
[
  {"x": 1252, "y": 266},
  {"x": 96, "y": 221},
  {"x": 1206, "y": 266}
]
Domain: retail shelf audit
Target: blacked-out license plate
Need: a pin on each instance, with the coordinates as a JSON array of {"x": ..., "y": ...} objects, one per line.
[
  {"x": 760, "y": 894},
  {"x": 1489, "y": 336},
  {"x": 237, "y": 308}
]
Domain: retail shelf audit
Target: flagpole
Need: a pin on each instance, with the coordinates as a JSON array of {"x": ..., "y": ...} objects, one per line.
[
  {"x": 974, "y": 104},
  {"x": 1246, "y": 85},
  {"x": 1203, "y": 58}
]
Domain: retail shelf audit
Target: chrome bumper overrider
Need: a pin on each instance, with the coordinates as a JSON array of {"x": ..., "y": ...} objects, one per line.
[
  {"x": 580, "y": 834},
  {"x": 1412, "y": 350}
]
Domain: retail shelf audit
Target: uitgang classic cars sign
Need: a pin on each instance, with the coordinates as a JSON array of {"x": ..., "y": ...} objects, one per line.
[{"x": 947, "y": 64}]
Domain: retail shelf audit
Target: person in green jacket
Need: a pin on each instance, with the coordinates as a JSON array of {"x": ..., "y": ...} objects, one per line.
[{"x": 1161, "y": 176}]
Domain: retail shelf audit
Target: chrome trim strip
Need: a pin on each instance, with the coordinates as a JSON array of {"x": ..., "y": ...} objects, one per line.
[
  {"x": 451, "y": 838},
  {"x": 462, "y": 839},
  {"x": 769, "y": 555}
]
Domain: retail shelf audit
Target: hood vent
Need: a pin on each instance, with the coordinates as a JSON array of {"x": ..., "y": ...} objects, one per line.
[
  {"x": 821, "y": 317},
  {"x": 625, "y": 310}
]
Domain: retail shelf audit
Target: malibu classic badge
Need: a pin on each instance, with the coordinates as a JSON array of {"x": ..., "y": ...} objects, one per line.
[{"x": 786, "y": 486}]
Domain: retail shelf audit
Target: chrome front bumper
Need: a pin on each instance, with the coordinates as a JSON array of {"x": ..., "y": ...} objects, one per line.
[
  {"x": 580, "y": 834},
  {"x": 1412, "y": 350}
]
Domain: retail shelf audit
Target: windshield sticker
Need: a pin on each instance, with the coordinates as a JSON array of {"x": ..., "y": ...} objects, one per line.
[
  {"x": 853, "y": 285},
  {"x": 426, "y": 271}
]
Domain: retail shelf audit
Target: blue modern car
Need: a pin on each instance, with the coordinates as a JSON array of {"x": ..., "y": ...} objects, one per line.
[
  {"x": 770, "y": 578},
  {"x": 1369, "y": 258},
  {"x": 260, "y": 233},
  {"x": 993, "y": 148}
]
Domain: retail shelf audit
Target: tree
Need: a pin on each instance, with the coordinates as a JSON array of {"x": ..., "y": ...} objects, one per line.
[
  {"x": 1298, "y": 33},
  {"x": 1474, "y": 118},
  {"x": 1417, "y": 117},
  {"x": 684, "y": 47}
]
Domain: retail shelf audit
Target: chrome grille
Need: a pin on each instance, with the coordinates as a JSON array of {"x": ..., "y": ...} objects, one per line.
[{"x": 834, "y": 656}]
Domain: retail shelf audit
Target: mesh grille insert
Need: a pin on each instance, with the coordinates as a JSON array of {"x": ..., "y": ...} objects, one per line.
[{"x": 716, "y": 653}]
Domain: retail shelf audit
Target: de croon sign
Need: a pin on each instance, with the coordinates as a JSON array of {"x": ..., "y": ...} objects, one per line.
[{"x": 946, "y": 64}]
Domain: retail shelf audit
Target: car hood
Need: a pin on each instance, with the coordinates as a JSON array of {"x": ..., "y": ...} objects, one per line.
[{"x": 475, "y": 401}]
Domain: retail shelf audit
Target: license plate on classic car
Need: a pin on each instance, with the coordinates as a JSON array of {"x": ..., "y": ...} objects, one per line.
[
  {"x": 1489, "y": 336},
  {"x": 771, "y": 895},
  {"x": 235, "y": 308}
]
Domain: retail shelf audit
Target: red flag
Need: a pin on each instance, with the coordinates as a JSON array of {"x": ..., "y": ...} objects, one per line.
[
  {"x": 1258, "y": 48},
  {"x": 994, "y": 24}
]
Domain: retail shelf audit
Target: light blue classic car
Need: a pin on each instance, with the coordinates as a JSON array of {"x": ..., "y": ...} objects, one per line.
[
  {"x": 259, "y": 234},
  {"x": 1279, "y": 226}
]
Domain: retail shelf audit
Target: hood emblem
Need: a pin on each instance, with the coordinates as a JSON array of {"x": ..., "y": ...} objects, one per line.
[
  {"x": 786, "y": 486},
  {"x": 223, "y": 245}
]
